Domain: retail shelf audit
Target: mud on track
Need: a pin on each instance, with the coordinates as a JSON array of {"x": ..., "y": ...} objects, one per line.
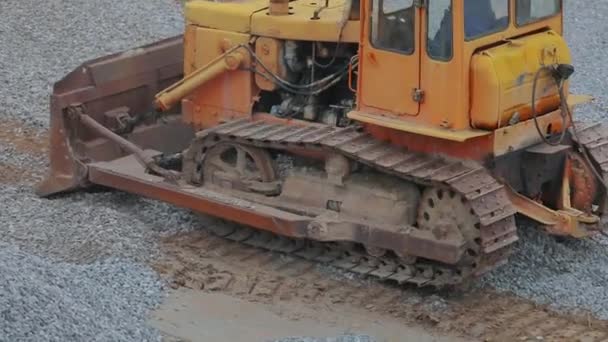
[{"x": 202, "y": 261}]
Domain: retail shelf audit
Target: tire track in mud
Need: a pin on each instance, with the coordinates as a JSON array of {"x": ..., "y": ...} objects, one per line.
[{"x": 200, "y": 260}]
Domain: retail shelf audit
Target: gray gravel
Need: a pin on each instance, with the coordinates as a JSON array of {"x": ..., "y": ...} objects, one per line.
[
  {"x": 42, "y": 300},
  {"x": 568, "y": 274},
  {"x": 84, "y": 227},
  {"x": 78, "y": 275},
  {"x": 10, "y": 155},
  {"x": 587, "y": 35},
  {"x": 41, "y": 41}
]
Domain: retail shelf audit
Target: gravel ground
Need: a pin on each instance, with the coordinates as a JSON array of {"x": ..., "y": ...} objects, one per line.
[
  {"x": 41, "y": 41},
  {"x": 84, "y": 227},
  {"x": 77, "y": 268},
  {"x": 566, "y": 275},
  {"x": 77, "y": 276},
  {"x": 103, "y": 301},
  {"x": 587, "y": 35}
]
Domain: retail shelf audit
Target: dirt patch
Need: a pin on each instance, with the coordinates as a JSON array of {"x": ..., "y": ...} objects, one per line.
[
  {"x": 12, "y": 174},
  {"x": 25, "y": 139},
  {"x": 185, "y": 316},
  {"x": 201, "y": 261}
]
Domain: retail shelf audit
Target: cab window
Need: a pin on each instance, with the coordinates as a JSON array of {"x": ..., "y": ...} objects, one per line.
[
  {"x": 483, "y": 17},
  {"x": 529, "y": 11},
  {"x": 393, "y": 25},
  {"x": 440, "y": 29}
]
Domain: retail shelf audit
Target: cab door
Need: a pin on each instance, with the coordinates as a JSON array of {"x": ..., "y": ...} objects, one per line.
[{"x": 390, "y": 57}]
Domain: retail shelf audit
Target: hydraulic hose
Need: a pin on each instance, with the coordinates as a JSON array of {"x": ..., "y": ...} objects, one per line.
[
  {"x": 559, "y": 82},
  {"x": 560, "y": 73}
]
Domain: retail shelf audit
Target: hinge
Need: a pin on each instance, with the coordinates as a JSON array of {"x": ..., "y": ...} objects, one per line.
[
  {"x": 418, "y": 95},
  {"x": 421, "y": 3}
]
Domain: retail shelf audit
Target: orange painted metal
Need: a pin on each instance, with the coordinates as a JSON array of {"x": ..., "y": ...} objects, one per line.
[
  {"x": 170, "y": 97},
  {"x": 270, "y": 52},
  {"x": 387, "y": 78},
  {"x": 473, "y": 149},
  {"x": 225, "y": 97},
  {"x": 445, "y": 84},
  {"x": 564, "y": 222}
]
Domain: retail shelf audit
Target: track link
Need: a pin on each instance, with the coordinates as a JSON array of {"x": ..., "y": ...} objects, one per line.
[
  {"x": 203, "y": 261},
  {"x": 487, "y": 197},
  {"x": 594, "y": 138}
]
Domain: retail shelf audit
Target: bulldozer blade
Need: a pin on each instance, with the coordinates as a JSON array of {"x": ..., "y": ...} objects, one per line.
[{"x": 115, "y": 90}]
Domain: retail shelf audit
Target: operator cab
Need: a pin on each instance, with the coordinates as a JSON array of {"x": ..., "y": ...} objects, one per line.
[{"x": 459, "y": 65}]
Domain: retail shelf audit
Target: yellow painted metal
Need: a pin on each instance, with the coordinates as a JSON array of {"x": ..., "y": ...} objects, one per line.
[
  {"x": 521, "y": 135},
  {"x": 229, "y": 16},
  {"x": 502, "y": 78},
  {"x": 270, "y": 52},
  {"x": 417, "y": 128},
  {"x": 228, "y": 96},
  {"x": 524, "y": 134},
  {"x": 566, "y": 222},
  {"x": 251, "y": 16},
  {"x": 300, "y": 25},
  {"x": 578, "y": 99},
  {"x": 169, "y": 97}
]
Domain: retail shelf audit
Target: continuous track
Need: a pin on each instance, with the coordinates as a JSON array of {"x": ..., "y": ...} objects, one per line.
[
  {"x": 487, "y": 197},
  {"x": 204, "y": 261},
  {"x": 594, "y": 138},
  {"x": 260, "y": 266}
]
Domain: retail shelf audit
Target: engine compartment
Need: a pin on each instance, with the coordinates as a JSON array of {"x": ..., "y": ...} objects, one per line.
[
  {"x": 290, "y": 79},
  {"x": 305, "y": 80}
]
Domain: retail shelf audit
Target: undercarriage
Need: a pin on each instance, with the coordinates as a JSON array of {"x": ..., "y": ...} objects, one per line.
[{"x": 327, "y": 193}]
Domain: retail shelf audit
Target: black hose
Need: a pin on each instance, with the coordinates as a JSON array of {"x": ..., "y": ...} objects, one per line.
[
  {"x": 299, "y": 92},
  {"x": 559, "y": 84},
  {"x": 336, "y": 50},
  {"x": 582, "y": 149},
  {"x": 566, "y": 114}
]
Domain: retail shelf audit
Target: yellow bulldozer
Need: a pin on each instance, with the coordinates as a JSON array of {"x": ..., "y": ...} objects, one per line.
[{"x": 397, "y": 139}]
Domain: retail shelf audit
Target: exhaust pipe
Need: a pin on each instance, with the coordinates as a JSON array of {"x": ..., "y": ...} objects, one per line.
[{"x": 279, "y": 7}]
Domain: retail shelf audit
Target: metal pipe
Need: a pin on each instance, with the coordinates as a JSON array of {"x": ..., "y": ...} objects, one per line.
[
  {"x": 279, "y": 7},
  {"x": 315, "y": 15},
  {"x": 144, "y": 159},
  {"x": 169, "y": 97}
]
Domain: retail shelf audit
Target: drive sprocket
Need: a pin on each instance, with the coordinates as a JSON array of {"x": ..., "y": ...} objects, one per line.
[{"x": 448, "y": 215}]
